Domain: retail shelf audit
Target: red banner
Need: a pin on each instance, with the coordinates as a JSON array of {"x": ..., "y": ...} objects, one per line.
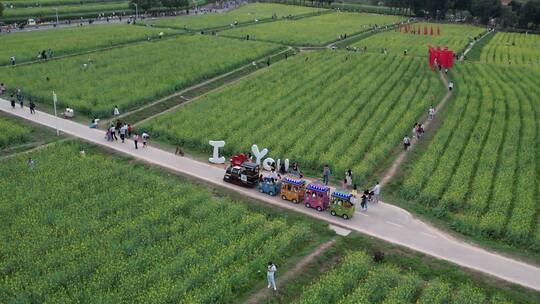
[{"x": 441, "y": 57}]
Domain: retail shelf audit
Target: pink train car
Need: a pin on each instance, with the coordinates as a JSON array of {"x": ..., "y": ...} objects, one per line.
[{"x": 317, "y": 196}]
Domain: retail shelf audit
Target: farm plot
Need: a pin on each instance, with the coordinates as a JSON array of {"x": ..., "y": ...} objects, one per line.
[
  {"x": 456, "y": 37},
  {"x": 244, "y": 14},
  {"x": 312, "y": 31},
  {"x": 25, "y": 46},
  {"x": 12, "y": 133},
  {"x": 481, "y": 169},
  {"x": 359, "y": 280},
  {"x": 133, "y": 75},
  {"x": 49, "y": 11},
  {"x": 345, "y": 110},
  {"x": 512, "y": 48},
  {"x": 97, "y": 229}
]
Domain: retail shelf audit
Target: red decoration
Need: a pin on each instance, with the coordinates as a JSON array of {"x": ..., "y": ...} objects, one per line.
[
  {"x": 238, "y": 160},
  {"x": 431, "y": 31},
  {"x": 418, "y": 29},
  {"x": 443, "y": 57},
  {"x": 438, "y": 31},
  {"x": 425, "y": 30}
]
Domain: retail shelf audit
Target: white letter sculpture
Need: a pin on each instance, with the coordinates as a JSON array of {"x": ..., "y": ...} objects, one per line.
[
  {"x": 258, "y": 154},
  {"x": 215, "y": 157},
  {"x": 267, "y": 164}
]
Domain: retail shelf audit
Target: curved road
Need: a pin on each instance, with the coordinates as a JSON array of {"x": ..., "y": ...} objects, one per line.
[{"x": 383, "y": 221}]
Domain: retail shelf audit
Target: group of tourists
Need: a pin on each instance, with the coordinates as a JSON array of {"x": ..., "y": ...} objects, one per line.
[{"x": 17, "y": 97}]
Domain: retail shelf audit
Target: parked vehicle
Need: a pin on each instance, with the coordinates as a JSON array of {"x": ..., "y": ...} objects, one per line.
[
  {"x": 270, "y": 186},
  {"x": 341, "y": 204},
  {"x": 245, "y": 175},
  {"x": 293, "y": 189},
  {"x": 317, "y": 196}
]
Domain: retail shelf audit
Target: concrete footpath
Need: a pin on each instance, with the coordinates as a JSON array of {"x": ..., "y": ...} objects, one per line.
[{"x": 383, "y": 221}]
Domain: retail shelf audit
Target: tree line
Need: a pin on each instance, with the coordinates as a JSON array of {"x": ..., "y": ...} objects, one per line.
[{"x": 517, "y": 14}]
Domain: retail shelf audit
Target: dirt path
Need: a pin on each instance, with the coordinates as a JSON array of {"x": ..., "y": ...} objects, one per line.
[
  {"x": 291, "y": 274},
  {"x": 403, "y": 155}
]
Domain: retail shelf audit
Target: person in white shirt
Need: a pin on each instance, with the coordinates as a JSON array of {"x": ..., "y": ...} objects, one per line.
[
  {"x": 406, "y": 142},
  {"x": 116, "y": 112},
  {"x": 451, "y": 86},
  {"x": 431, "y": 112},
  {"x": 376, "y": 192},
  {"x": 271, "y": 269}
]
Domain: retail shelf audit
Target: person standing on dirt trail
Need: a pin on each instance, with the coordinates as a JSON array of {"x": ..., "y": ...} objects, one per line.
[
  {"x": 270, "y": 271},
  {"x": 406, "y": 142},
  {"x": 326, "y": 174},
  {"x": 376, "y": 192},
  {"x": 354, "y": 191},
  {"x": 348, "y": 178},
  {"x": 145, "y": 138},
  {"x": 116, "y": 112},
  {"x": 415, "y": 130},
  {"x": 450, "y": 86},
  {"x": 2, "y": 89},
  {"x": 32, "y": 107},
  {"x": 136, "y": 139},
  {"x": 431, "y": 112},
  {"x": 118, "y": 126}
]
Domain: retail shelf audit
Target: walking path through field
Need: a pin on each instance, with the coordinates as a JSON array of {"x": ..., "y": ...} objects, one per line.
[
  {"x": 383, "y": 221},
  {"x": 401, "y": 158},
  {"x": 281, "y": 280}
]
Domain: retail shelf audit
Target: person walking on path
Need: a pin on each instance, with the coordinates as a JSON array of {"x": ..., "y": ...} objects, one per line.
[
  {"x": 376, "y": 192},
  {"x": 450, "y": 86},
  {"x": 113, "y": 132},
  {"x": 348, "y": 178},
  {"x": 270, "y": 271},
  {"x": 406, "y": 142},
  {"x": 12, "y": 100},
  {"x": 2, "y": 89},
  {"x": 136, "y": 139},
  {"x": 123, "y": 131},
  {"x": 116, "y": 112},
  {"x": 129, "y": 130},
  {"x": 431, "y": 113},
  {"x": 364, "y": 201},
  {"x": 32, "y": 107},
  {"x": 12, "y": 60},
  {"x": 145, "y": 138},
  {"x": 326, "y": 174}
]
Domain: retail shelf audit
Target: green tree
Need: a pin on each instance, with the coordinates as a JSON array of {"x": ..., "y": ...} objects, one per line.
[
  {"x": 145, "y": 4},
  {"x": 486, "y": 9},
  {"x": 175, "y": 3}
]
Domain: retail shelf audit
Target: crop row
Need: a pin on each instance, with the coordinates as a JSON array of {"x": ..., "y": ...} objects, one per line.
[
  {"x": 93, "y": 229},
  {"x": 345, "y": 110},
  {"x": 358, "y": 280},
  {"x": 24, "y": 46},
  {"x": 133, "y": 75},
  {"x": 244, "y": 14},
  {"x": 481, "y": 168},
  {"x": 455, "y": 37},
  {"x": 512, "y": 48},
  {"x": 12, "y": 133}
]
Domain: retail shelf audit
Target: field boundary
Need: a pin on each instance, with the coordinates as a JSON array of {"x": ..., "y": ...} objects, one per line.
[
  {"x": 116, "y": 46},
  {"x": 178, "y": 99}
]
